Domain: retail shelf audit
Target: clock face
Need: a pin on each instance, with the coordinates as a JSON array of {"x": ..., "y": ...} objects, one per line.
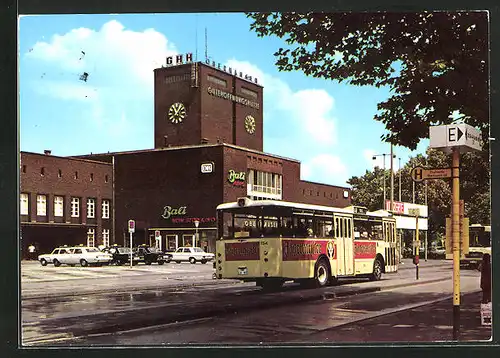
[
  {"x": 250, "y": 124},
  {"x": 177, "y": 112}
]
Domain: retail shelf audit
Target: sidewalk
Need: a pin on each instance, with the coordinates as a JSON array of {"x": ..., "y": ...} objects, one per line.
[{"x": 428, "y": 323}]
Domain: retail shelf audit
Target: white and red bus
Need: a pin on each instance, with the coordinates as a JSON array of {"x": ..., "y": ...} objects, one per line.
[{"x": 270, "y": 242}]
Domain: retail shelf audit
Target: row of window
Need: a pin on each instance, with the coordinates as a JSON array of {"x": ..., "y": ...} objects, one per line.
[
  {"x": 41, "y": 206},
  {"x": 264, "y": 182},
  {"x": 75, "y": 175},
  {"x": 91, "y": 237}
]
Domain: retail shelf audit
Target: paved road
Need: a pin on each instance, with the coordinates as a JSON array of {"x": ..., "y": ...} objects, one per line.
[{"x": 61, "y": 318}]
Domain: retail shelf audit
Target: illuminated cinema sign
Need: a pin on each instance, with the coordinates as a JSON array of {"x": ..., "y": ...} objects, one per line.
[{"x": 235, "y": 178}]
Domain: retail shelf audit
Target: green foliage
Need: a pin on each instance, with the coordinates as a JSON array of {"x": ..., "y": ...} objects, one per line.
[
  {"x": 474, "y": 188},
  {"x": 435, "y": 64}
]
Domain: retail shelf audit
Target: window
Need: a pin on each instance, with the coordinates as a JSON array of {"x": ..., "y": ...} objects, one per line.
[
  {"x": 264, "y": 184},
  {"x": 24, "y": 204},
  {"x": 217, "y": 80},
  {"x": 91, "y": 237},
  {"x": 105, "y": 237},
  {"x": 59, "y": 173},
  {"x": 76, "y": 175},
  {"x": 106, "y": 178},
  {"x": 105, "y": 209},
  {"x": 91, "y": 176},
  {"x": 75, "y": 207},
  {"x": 41, "y": 205},
  {"x": 42, "y": 171},
  {"x": 58, "y": 206},
  {"x": 91, "y": 208},
  {"x": 24, "y": 168}
]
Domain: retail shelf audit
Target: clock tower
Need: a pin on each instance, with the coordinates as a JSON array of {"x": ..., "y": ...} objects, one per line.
[{"x": 198, "y": 103}]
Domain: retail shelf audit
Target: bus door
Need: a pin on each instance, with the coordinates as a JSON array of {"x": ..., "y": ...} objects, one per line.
[
  {"x": 344, "y": 237},
  {"x": 391, "y": 257}
]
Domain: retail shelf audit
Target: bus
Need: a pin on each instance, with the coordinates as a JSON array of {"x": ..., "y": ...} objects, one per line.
[
  {"x": 479, "y": 244},
  {"x": 270, "y": 242}
]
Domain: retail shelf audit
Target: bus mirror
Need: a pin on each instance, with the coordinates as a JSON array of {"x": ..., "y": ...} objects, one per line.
[{"x": 241, "y": 201}]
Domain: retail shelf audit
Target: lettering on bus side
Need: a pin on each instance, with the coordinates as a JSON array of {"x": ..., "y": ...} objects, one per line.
[
  {"x": 304, "y": 249},
  {"x": 365, "y": 250},
  {"x": 240, "y": 251}
]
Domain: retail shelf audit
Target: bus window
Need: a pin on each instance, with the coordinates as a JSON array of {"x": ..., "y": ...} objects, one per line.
[{"x": 337, "y": 225}]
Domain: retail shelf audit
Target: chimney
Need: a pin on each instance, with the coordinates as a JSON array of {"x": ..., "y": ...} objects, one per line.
[{"x": 47, "y": 152}]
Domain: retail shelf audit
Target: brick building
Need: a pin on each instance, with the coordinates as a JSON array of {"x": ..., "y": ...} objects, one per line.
[
  {"x": 208, "y": 142},
  {"x": 64, "y": 201}
]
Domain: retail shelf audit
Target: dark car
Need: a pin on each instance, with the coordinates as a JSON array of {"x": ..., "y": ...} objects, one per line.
[
  {"x": 148, "y": 255},
  {"x": 121, "y": 255}
]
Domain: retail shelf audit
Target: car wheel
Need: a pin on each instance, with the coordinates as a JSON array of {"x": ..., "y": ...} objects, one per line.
[
  {"x": 84, "y": 263},
  {"x": 168, "y": 260},
  {"x": 377, "y": 271},
  {"x": 161, "y": 262},
  {"x": 177, "y": 262},
  {"x": 203, "y": 261},
  {"x": 322, "y": 273},
  {"x": 192, "y": 260},
  {"x": 43, "y": 262},
  {"x": 57, "y": 263},
  {"x": 147, "y": 262}
]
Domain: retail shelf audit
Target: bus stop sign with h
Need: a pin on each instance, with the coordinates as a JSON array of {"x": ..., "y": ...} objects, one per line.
[{"x": 455, "y": 139}]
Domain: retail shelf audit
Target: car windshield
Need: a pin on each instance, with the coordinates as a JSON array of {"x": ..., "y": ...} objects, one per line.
[
  {"x": 123, "y": 250},
  {"x": 92, "y": 249},
  {"x": 197, "y": 249}
]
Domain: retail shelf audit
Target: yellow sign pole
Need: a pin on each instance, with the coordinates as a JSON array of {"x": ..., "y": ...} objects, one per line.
[
  {"x": 455, "y": 225},
  {"x": 418, "y": 245}
]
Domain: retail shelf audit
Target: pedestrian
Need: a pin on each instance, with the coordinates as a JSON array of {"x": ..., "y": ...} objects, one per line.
[
  {"x": 31, "y": 252},
  {"x": 486, "y": 278}
]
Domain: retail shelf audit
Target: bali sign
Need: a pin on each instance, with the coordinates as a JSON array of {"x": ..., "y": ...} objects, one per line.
[
  {"x": 235, "y": 178},
  {"x": 169, "y": 212}
]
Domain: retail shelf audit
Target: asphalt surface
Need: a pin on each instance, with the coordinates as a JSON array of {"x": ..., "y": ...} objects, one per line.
[{"x": 59, "y": 319}]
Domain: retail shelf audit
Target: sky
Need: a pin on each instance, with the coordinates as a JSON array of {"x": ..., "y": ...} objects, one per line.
[{"x": 327, "y": 126}]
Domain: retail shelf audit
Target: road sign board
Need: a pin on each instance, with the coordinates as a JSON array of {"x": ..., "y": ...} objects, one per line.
[
  {"x": 131, "y": 226},
  {"x": 419, "y": 174},
  {"x": 461, "y": 135}
]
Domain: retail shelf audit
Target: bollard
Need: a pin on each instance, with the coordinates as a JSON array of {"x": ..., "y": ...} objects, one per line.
[{"x": 416, "y": 260}]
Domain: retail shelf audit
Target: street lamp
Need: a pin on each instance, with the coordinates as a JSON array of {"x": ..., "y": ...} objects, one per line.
[
  {"x": 196, "y": 223},
  {"x": 383, "y": 155},
  {"x": 399, "y": 179}
]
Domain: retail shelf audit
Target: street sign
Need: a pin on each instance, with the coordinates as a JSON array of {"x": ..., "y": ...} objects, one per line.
[
  {"x": 462, "y": 135},
  {"x": 419, "y": 174},
  {"x": 131, "y": 226}
]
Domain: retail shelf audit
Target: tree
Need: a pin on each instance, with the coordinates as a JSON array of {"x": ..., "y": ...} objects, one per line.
[
  {"x": 435, "y": 63},
  {"x": 367, "y": 189}
]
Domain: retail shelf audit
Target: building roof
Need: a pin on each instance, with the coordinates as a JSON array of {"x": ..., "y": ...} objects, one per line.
[{"x": 68, "y": 157}]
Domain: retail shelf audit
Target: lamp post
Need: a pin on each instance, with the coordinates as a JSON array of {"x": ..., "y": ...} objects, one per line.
[
  {"x": 392, "y": 188},
  {"x": 196, "y": 224},
  {"x": 399, "y": 179}
]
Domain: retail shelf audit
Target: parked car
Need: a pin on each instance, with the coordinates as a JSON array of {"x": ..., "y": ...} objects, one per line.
[
  {"x": 191, "y": 254},
  {"x": 121, "y": 255},
  {"x": 53, "y": 257},
  {"x": 83, "y": 255},
  {"x": 148, "y": 255}
]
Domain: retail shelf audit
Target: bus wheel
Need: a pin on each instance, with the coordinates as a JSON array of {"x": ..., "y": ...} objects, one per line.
[
  {"x": 322, "y": 273},
  {"x": 377, "y": 271}
]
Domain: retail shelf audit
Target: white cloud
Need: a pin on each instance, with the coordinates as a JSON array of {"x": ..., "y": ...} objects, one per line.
[
  {"x": 119, "y": 64},
  {"x": 309, "y": 109},
  {"x": 326, "y": 168}
]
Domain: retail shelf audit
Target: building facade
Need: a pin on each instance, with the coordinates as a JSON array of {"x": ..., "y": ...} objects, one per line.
[
  {"x": 208, "y": 142},
  {"x": 64, "y": 201}
]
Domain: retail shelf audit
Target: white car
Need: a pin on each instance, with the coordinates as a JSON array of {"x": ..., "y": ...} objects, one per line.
[
  {"x": 191, "y": 254},
  {"x": 54, "y": 256},
  {"x": 82, "y": 255}
]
